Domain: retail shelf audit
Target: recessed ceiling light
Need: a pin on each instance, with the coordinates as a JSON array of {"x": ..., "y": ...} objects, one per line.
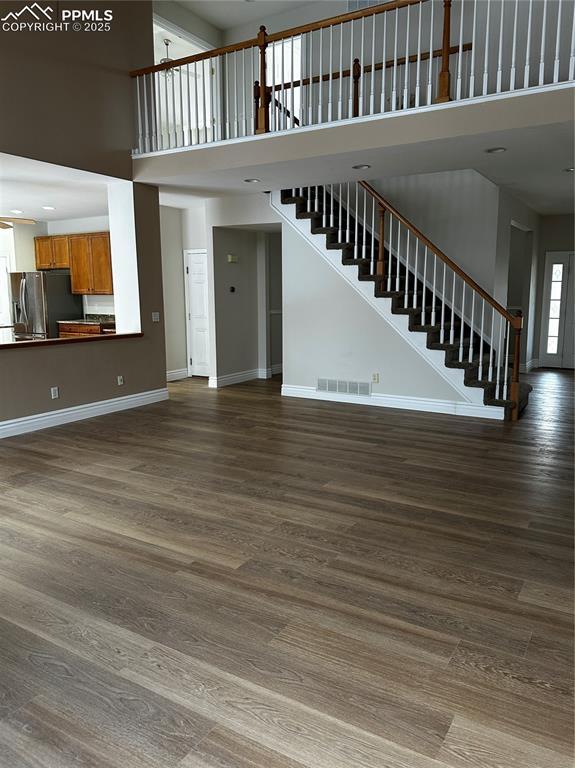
[
  {"x": 16, "y": 210},
  {"x": 566, "y": 170},
  {"x": 48, "y": 208},
  {"x": 252, "y": 181},
  {"x": 361, "y": 167},
  {"x": 495, "y": 150}
]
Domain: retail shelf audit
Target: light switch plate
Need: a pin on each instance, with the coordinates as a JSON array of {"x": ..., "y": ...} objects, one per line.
[
  {"x": 155, "y": 317},
  {"x": 54, "y": 393}
]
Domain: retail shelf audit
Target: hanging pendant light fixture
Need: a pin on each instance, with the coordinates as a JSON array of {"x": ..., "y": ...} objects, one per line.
[{"x": 167, "y": 60}]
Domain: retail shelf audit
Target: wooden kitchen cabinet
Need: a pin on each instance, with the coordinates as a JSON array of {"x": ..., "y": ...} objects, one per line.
[
  {"x": 52, "y": 252},
  {"x": 91, "y": 263}
]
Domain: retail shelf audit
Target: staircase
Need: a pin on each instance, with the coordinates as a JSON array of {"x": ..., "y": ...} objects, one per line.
[{"x": 478, "y": 337}]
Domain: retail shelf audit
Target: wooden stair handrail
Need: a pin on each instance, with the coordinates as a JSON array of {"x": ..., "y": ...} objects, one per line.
[
  {"x": 515, "y": 322},
  {"x": 373, "y": 10},
  {"x": 285, "y": 110}
]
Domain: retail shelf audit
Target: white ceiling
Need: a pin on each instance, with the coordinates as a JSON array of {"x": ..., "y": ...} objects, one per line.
[
  {"x": 226, "y": 14},
  {"x": 27, "y": 185},
  {"x": 538, "y": 135}
]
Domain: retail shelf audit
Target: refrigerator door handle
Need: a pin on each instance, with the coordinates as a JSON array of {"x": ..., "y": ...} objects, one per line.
[{"x": 23, "y": 308}]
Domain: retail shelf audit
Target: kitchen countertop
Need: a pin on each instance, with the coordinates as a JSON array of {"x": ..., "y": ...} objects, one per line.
[{"x": 87, "y": 322}]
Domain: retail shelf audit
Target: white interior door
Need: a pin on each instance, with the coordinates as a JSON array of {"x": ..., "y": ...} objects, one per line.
[
  {"x": 557, "y": 324},
  {"x": 196, "y": 282}
]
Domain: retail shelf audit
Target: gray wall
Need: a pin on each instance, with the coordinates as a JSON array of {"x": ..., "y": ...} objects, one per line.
[
  {"x": 236, "y": 314},
  {"x": 70, "y": 103},
  {"x": 87, "y": 372},
  {"x": 70, "y": 95},
  {"x": 174, "y": 293}
]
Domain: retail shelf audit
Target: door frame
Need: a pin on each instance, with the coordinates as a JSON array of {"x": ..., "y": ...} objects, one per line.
[
  {"x": 545, "y": 359},
  {"x": 188, "y": 303}
]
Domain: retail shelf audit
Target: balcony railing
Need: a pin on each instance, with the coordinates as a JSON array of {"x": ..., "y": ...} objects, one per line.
[{"x": 402, "y": 55}]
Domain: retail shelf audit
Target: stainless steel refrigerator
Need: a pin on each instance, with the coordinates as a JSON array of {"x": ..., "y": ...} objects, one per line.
[{"x": 39, "y": 300}]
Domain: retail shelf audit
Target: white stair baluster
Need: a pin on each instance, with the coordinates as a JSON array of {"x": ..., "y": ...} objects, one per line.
[
  {"x": 442, "y": 331},
  {"x": 351, "y": 41},
  {"x": 324, "y": 207},
  {"x": 330, "y": 78},
  {"x": 430, "y": 60},
  {"x": 472, "y": 65},
  {"x": 362, "y": 63},
  {"x": 406, "y": 65},
  {"x": 406, "y": 287},
  {"x": 394, "y": 86},
  {"x": 356, "y": 216},
  {"x": 236, "y": 89},
  {"x": 311, "y": 99},
  {"x": 506, "y": 363},
  {"x": 528, "y": 49},
  {"x": 418, "y": 65},
  {"x": 500, "y": 53},
  {"x": 452, "y": 324},
  {"x": 462, "y": 329},
  {"x": 491, "y": 345},
  {"x": 486, "y": 49},
  {"x": 196, "y": 103},
  {"x": 572, "y": 52},
  {"x": 372, "y": 78},
  {"x": 340, "y": 95},
  {"x": 397, "y": 252},
  {"x": 292, "y": 94},
  {"x": 480, "y": 374},
  {"x": 433, "y": 318},
  {"x": 341, "y": 230},
  {"x": 415, "y": 274},
  {"x": 373, "y": 253},
  {"x": 205, "y": 80},
  {"x": 364, "y": 223},
  {"x": 460, "y": 59},
  {"x": 498, "y": 359},
  {"x": 384, "y": 68},
  {"x": 348, "y": 215},
  {"x": 514, "y": 49},
  {"x": 390, "y": 265},
  {"x": 423, "y": 297},
  {"x": 557, "y": 43},
  {"x": 543, "y": 35},
  {"x": 472, "y": 327}
]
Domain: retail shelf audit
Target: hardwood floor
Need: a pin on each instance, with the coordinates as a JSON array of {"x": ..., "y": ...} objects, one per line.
[{"x": 236, "y": 580}]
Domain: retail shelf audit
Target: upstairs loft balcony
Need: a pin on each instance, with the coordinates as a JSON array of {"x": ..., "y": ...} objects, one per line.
[{"x": 389, "y": 58}]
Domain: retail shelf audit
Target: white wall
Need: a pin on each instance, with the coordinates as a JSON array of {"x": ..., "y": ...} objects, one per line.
[
  {"x": 194, "y": 228},
  {"x": 330, "y": 331},
  {"x": 24, "y": 251},
  {"x": 173, "y": 285},
  {"x": 457, "y": 211},
  {"x": 78, "y": 226}
]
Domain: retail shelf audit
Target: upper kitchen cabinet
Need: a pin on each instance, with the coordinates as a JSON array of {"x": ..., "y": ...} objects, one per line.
[
  {"x": 91, "y": 263},
  {"x": 52, "y": 252}
]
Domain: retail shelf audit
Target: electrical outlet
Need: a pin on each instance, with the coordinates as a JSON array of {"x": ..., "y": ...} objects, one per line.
[
  {"x": 155, "y": 317},
  {"x": 120, "y": 380},
  {"x": 54, "y": 393},
  {"x": 375, "y": 378}
]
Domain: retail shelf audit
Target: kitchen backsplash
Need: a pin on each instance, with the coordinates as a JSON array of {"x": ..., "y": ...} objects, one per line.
[
  {"x": 98, "y": 305},
  {"x": 101, "y": 318}
]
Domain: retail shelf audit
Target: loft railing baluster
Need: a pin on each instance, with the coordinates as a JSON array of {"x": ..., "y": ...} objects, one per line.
[
  {"x": 292, "y": 78},
  {"x": 543, "y": 36},
  {"x": 430, "y": 59},
  {"x": 486, "y": 50},
  {"x": 320, "y": 83},
  {"x": 372, "y": 77},
  {"x": 362, "y": 64},
  {"x": 418, "y": 65},
  {"x": 351, "y": 68},
  {"x": 340, "y": 84},
  {"x": 406, "y": 65},
  {"x": 384, "y": 70},
  {"x": 460, "y": 59},
  {"x": 500, "y": 52},
  {"x": 557, "y": 43},
  {"x": 330, "y": 78},
  {"x": 394, "y": 85},
  {"x": 514, "y": 49},
  {"x": 526, "y": 71},
  {"x": 473, "y": 48}
]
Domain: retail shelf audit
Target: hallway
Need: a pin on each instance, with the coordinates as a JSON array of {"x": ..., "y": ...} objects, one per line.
[{"x": 232, "y": 579}]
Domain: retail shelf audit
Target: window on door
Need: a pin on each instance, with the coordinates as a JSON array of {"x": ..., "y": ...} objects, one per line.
[{"x": 554, "y": 309}]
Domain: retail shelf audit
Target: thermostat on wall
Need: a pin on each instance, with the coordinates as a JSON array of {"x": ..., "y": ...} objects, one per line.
[{"x": 232, "y": 258}]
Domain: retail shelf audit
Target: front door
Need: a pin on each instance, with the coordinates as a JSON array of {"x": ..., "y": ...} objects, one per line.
[
  {"x": 196, "y": 275},
  {"x": 557, "y": 324}
]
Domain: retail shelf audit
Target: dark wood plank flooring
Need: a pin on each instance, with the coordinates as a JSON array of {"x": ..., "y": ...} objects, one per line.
[{"x": 236, "y": 580}]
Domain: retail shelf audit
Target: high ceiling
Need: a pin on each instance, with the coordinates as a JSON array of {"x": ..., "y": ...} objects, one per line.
[
  {"x": 28, "y": 185},
  {"x": 226, "y": 14}
]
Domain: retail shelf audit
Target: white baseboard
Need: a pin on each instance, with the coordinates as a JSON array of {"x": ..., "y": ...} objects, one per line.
[
  {"x": 398, "y": 401},
  {"x": 79, "y": 412},
  {"x": 234, "y": 378},
  {"x": 529, "y": 365},
  {"x": 180, "y": 373},
  {"x": 237, "y": 378}
]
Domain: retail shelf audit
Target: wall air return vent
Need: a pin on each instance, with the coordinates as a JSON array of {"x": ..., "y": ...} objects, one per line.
[{"x": 341, "y": 387}]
